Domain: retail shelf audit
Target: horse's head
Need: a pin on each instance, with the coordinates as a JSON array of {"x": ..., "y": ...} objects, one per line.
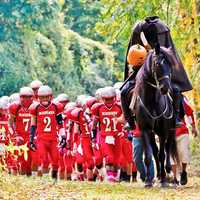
[{"x": 161, "y": 70}]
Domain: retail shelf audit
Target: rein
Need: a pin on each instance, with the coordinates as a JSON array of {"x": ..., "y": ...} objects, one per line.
[
  {"x": 162, "y": 113},
  {"x": 158, "y": 87}
]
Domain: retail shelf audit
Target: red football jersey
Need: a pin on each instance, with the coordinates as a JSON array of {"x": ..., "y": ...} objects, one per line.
[
  {"x": 46, "y": 120},
  {"x": 23, "y": 119},
  {"x": 189, "y": 113},
  {"x": 107, "y": 118},
  {"x": 4, "y": 132},
  {"x": 79, "y": 117}
]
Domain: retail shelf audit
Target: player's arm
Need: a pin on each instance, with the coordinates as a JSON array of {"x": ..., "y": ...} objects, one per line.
[
  {"x": 190, "y": 116},
  {"x": 61, "y": 129},
  {"x": 32, "y": 129},
  {"x": 33, "y": 112},
  {"x": 11, "y": 124},
  {"x": 95, "y": 112}
]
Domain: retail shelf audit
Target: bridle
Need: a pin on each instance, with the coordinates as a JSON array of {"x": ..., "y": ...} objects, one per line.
[
  {"x": 158, "y": 86},
  {"x": 153, "y": 71}
]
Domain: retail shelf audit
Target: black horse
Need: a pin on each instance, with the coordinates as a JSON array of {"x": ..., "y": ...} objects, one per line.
[{"x": 152, "y": 105}]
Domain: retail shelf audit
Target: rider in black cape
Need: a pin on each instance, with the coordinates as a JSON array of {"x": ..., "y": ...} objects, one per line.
[{"x": 155, "y": 32}]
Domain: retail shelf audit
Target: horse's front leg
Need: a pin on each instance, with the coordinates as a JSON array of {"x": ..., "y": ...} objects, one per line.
[
  {"x": 162, "y": 162},
  {"x": 148, "y": 157}
]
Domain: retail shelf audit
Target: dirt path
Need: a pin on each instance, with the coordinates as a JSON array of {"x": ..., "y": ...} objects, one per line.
[{"x": 43, "y": 189}]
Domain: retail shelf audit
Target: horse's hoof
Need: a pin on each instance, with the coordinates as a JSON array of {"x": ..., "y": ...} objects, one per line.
[
  {"x": 148, "y": 184},
  {"x": 164, "y": 184},
  {"x": 159, "y": 177},
  {"x": 168, "y": 168}
]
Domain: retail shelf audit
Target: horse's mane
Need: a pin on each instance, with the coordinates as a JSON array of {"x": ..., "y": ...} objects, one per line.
[{"x": 169, "y": 55}]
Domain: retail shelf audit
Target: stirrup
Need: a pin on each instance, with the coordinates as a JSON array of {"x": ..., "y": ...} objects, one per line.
[{"x": 129, "y": 127}]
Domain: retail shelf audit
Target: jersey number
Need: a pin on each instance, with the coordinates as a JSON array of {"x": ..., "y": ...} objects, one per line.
[
  {"x": 110, "y": 124},
  {"x": 47, "y": 122},
  {"x": 26, "y": 124},
  {"x": 3, "y": 133}
]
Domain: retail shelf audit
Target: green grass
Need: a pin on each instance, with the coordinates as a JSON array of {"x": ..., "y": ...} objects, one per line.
[{"x": 21, "y": 187}]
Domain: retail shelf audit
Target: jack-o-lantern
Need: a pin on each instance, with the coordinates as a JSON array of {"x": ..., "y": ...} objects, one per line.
[{"x": 136, "y": 55}]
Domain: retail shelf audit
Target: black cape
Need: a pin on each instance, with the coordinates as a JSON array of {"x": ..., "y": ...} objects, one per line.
[{"x": 179, "y": 76}]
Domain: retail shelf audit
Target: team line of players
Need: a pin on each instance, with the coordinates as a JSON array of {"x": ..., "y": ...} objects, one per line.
[{"x": 82, "y": 140}]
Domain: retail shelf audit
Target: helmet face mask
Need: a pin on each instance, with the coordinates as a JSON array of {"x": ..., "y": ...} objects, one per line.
[
  {"x": 108, "y": 96},
  {"x": 64, "y": 103},
  {"x": 26, "y": 96},
  {"x": 109, "y": 101},
  {"x": 45, "y": 95},
  {"x": 45, "y": 100},
  {"x": 3, "y": 107},
  {"x": 26, "y": 101}
]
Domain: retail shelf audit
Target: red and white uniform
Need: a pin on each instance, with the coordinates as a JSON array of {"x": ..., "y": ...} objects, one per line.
[
  {"x": 4, "y": 132},
  {"x": 23, "y": 120},
  {"x": 84, "y": 149},
  {"x": 4, "y": 140},
  {"x": 182, "y": 134},
  {"x": 109, "y": 139},
  {"x": 66, "y": 159},
  {"x": 22, "y": 129},
  {"x": 47, "y": 127},
  {"x": 189, "y": 114}
]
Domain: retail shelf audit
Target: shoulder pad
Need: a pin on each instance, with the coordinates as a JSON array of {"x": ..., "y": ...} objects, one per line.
[
  {"x": 68, "y": 111},
  {"x": 75, "y": 113},
  {"x": 59, "y": 107},
  {"x": 33, "y": 107},
  {"x": 118, "y": 103},
  {"x": 13, "y": 108},
  {"x": 95, "y": 108}
]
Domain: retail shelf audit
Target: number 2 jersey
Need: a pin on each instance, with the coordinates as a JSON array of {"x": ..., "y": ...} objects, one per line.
[{"x": 46, "y": 123}]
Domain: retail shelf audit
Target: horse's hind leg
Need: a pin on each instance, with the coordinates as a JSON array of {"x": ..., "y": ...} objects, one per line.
[
  {"x": 168, "y": 163},
  {"x": 148, "y": 157}
]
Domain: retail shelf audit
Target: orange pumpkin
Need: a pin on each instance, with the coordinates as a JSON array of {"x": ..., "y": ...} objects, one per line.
[{"x": 136, "y": 55}]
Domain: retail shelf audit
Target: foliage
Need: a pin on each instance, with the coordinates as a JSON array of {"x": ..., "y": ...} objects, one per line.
[
  {"x": 182, "y": 18},
  {"x": 37, "y": 44},
  {"x": 81, "y": 17}
]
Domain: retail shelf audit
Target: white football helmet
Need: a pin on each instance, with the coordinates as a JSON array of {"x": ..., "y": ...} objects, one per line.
[
  {"x": 3, "y": 104},
  {"x": 108, "y": 95},
  {"x": 81, "y": 100},
  {"x": 108, "y": 92},
  {"x": 36, "y": 84},
  {"x": 26, "y": 91},
  {"x": 98, "y": 94},
  {"x": 63, "y": 97},
  {"x": 45, "y": 95},
  {"x": 118, "y": 85},
  {"x": 14, "y": 98},
  {"x": 45, "y": 90}
]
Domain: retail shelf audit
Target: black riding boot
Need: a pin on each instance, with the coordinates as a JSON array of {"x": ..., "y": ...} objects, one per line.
[
  {"x": 125, "y": 102},
  {"x": 177, "y": 103}
]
